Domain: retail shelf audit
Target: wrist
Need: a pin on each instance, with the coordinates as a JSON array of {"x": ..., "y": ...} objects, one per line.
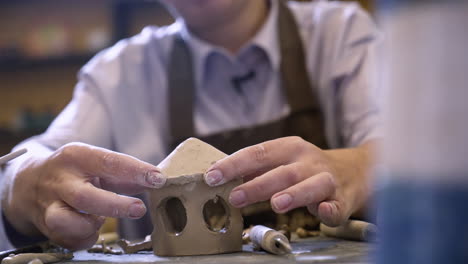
[
  {"x": 17, "y": 238},
  {"x": 18, "y": 199}
]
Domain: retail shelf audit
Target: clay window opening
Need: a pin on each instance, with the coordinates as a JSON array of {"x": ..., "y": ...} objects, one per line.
[
  {"x": 215, "y": 214},
  {"x": 174, "y": 215}
]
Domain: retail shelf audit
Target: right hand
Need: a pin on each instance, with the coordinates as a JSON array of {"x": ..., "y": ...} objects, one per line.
[{"x": 67, "y": 195}]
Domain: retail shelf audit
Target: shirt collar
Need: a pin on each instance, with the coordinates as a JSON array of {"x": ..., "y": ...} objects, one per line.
[
  {"x": 266, "y": 38},
  {"x": 200, "y": 49}
]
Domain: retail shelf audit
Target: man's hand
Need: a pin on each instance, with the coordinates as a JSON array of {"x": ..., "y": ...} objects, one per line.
[
  {"x": 66, "y": 195},
  {"x": 294, "y": 173}
]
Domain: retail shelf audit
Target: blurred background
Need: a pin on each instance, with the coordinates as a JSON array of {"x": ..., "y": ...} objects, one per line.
[{"x": 43, "y": 44}]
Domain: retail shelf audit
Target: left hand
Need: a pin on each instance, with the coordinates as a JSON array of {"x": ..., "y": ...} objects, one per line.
[{"x": 292, "y": 172}]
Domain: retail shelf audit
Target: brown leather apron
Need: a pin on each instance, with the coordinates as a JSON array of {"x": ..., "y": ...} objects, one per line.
[{"x": 305, "y": 119}]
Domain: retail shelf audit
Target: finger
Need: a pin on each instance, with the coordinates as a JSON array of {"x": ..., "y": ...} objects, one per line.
[
  {"x": 70, "y": 228},
  {"x": 123, "y": 188},
  {"x": 118, "y": 187},
  {"x": 84, "y": 197},
  {"x": 74, "y": 244},
  {"x": 263, "y": 187},
  {"x": 111, "y": 165},
  {"x": 310, "y": 191},
  {"x": 251, "y": 176},
  {"x": 247, "y": 161}
]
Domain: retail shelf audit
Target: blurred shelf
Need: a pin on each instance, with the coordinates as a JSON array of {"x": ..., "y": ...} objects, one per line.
[
  {"x": 9, "y": 139},
  {"x": 16, "y": 2},
  {"x": 126, "y": 18},
  {"x": 16, "y": 64}
]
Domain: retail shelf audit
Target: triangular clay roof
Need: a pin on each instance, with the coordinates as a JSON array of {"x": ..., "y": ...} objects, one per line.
[{"x": 189, "y": 161}]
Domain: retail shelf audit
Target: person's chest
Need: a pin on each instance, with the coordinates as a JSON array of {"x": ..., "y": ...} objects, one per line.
[{"x": 237, "y": 91}]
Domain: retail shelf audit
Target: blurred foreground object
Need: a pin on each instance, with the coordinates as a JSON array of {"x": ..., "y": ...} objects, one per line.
[{"x": 422, "y": 209}]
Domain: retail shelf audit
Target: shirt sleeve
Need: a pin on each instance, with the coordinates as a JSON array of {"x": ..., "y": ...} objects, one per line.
[
  {"x": 355, "y": 76},
  {"x": 86, "y": 119},
  {"x": 346, "y": 64}
]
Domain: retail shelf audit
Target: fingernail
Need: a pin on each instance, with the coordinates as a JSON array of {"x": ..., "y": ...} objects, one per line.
[
  {"x": 136, "y": 210},
  {"x": 237, "y": 198},
  {"x": 155, "y": 179},
  {"x": 214, "y": 178},
  {"x": 282, "y": 202}
]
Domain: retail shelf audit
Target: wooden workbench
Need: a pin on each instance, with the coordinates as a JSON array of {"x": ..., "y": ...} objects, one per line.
[{"x": 311, "y": 250}]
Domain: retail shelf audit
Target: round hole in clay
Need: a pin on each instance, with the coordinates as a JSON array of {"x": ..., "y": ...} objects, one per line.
[
  {"x": 175, "y": 216},
  {"x": 215, "y": 214}
]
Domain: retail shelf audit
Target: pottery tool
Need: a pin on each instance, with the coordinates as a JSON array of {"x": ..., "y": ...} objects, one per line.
[
  {"x": 36, "y": 248},
  {"x": 270, "y": 240},
  {"x": 42, "y": 257},
  {"x": 352, "y": 230},
  {"x": 11, "y": 156}
]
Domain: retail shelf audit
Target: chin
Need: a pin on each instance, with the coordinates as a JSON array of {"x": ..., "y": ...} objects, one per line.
[
  {"x": 196, "y": 10},
  {"x": 209, "y": 4}
]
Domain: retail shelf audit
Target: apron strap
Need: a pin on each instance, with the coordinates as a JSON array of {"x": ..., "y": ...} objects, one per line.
[
  {"x": 181, "y": 91},
  {"x": 294, "y": 76}
]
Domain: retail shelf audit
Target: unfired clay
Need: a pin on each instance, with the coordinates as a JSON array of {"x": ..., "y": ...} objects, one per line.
[
  {"x": 129, "y": 248},
  {"x": 102, "y": 247},
  {"x": 189, "y": 217}
]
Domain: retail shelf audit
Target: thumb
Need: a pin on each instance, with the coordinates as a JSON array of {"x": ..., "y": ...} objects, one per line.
[
  {"x": 331, "y": 213},
  {"x": 69, "y": 228}
]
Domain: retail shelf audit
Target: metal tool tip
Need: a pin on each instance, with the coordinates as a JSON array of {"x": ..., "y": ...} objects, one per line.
[{"x": 283, "y": 246}]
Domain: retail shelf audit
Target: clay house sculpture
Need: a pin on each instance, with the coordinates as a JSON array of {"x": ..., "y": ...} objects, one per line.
[{"x": 189, "y": 217}]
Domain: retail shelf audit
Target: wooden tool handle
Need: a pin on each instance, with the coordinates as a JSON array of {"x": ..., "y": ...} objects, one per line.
[
  {"x": 352, "y": 230},
  {"x": 11, "y": 156}
]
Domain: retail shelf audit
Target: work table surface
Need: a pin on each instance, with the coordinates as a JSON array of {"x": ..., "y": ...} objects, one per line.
[{"x": 311, "y": 250}]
